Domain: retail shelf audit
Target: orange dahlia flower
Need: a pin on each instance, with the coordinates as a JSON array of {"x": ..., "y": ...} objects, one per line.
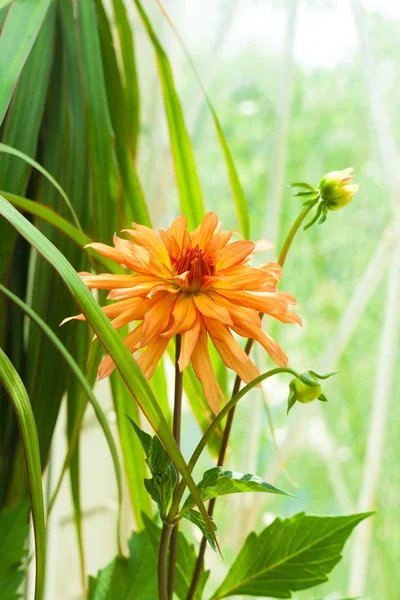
[{"x": 198, "y": 285}]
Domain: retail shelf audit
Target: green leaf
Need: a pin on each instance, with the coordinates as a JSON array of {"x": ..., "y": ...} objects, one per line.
[
  {"x": 217, "y": 482},
  {"x": 135, "y": 577},
  {"x": 13, "y": 534},
  {"x": 109, "y": 338},
  {"x": 161, "y": 486},
  {"x": 77, "y": 372},
  {"x": 289, "y": 555},
  {"x": 131, "y": 448},
  {"x": 302, "y": 184},
  {"x": 23, "y": 23},
  {"x": 42, "y": 170},
  {"x": 182, "y": 152},
  {"x": 30, "y": 445},
  {"x": 99, "y": 130},
  {"x": 197, "y": 519}
]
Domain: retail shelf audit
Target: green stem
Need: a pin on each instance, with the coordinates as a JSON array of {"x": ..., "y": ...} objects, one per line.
[
  {"x": 212, "y": 427},
  {"x": 162, "y": 562},
  {"x": 177, "y": 435},
  {"x": 291, "y": 235}
]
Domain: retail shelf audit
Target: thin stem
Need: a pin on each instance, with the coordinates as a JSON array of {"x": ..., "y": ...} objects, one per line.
[
  {"x": 162, "y": 562},
  {"x": 225, "y": 438},
  {"x": 177, "y": 435},
  {"x": 291, "y": 235}
]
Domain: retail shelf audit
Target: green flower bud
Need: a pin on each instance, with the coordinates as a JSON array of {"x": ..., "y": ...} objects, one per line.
[
  {"x": 306, "y": 388},
  {"x": 336, "y": 189}
]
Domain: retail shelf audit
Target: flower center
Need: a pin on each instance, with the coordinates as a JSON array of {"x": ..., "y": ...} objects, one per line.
[{"x": 198, "y": 264}]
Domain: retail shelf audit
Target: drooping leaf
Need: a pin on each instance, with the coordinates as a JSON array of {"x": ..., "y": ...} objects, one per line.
[
  {"x": 109, "y": 338},
  {"x": 185, "y": 167},
  {"x": 23, "y": 23},
  {"x": 161, "y": 486},
  {"x": 30, "y": 444},
  {"x": 218, "y": 482},
  {"x": 290, "y": 555},
  {"x": 197, "y": 519},
  {"x": 14, "y": 530},
  {"x": 135, "y": 469}
]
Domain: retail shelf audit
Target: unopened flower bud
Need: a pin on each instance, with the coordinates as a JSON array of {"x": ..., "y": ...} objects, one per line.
[
  {"x": 306, "y": 388},
  {"x": 336, "y": 189}
]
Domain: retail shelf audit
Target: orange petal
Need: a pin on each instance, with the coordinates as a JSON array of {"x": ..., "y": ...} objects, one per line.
[
  {"x": 203, "y": 368},
  {"x": 107, "y": 365},
  {"x": 141, "y": 259},
  {"x": 141, "y": 290},
  {"x": 184, "y": 315},
  {"x": 170, "y": 243},
  {"x": 188, "y": 343},
  {"x": 209, "y": 308},
  {"x": 271, "y": 346},
  {"x": 133, "y": 313},
  {"x": 270, "y": 304},
  {"x": 149, "y": 239},
  {"x": 218, "y": 241},
  {"x": 157, "y": 318},
  {"x": 107, "y": 281},
  {"x": 178, "y": 228},
  {"x": 262, "y": 246},
  {"x": 231, "y": 353},
  {"x": 107, "y": 251},
  {"x": 234, "y": 254},
  {"x": 205, "y": 231},
  {"x": 151, "y": 356},
  {"x": 251, "y": 279}
]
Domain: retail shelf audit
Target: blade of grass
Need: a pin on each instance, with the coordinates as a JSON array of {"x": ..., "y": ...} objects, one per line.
[
  {"x": 30, "y": 444},
  {"x": 110, "y": 340},
  {"x": 185, "y": 166},
  {"x": 99, "y": 130},
  {"x": 23, "y": 23},
  {"x": 9, "y": 150},
  {"x": 83, "y": 382},
  {"x": 133, "y": 203},
  {"x": 236, "y": 186}
]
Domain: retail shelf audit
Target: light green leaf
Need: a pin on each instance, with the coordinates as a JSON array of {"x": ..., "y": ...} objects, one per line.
[
  {"x": 13, "y": 534},
  {"x": 109, "y": 338},
  {"x": 197, "y": 519},
  {"x": 23, "y": 23},
  {"x": 30, "y": 445},
  {"x": 185, "y": 167},
  {"x": 161, "y": 486},
  {"x": 289, "y": 555},
  {"x": 218, "y": 482}
]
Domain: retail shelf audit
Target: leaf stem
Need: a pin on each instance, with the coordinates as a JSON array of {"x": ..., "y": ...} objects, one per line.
[
  {"x": 227, "y": 430},
  {"x": 177, "y": 419}
]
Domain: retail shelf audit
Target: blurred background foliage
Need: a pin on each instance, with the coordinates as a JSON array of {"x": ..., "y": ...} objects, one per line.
[{"x": 300, "y": 88}]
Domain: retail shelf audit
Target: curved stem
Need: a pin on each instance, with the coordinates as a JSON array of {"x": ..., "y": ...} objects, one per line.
[
  {"x": 162, "y": 562},
  {"x": 291, "y": 235},
  {"x": 177, "y": 435}
]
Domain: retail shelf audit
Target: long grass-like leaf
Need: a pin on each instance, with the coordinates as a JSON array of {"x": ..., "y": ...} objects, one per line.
[
  {"x": 185, "y": 166},
  {"x": 9, "y": 150},
  {"x": 23, "y": 23},
  {"x": 109, "y": 338},
  {"x": 30, "y": 445},
  {"x": 77, "y": 372},
  {"x": 236, "y": 186}
]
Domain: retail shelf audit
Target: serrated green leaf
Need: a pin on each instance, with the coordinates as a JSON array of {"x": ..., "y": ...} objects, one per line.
[
  {"x": 196, "y": 518},
  {"x": 30, "y": 444},
  {"x": 161, "y": 486},
  {"x": 14, "y": 530},
  {"x": 290, "y": 555},
  {"x": 23, "y": 23},
  {"x": 218, "y": 482}
]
